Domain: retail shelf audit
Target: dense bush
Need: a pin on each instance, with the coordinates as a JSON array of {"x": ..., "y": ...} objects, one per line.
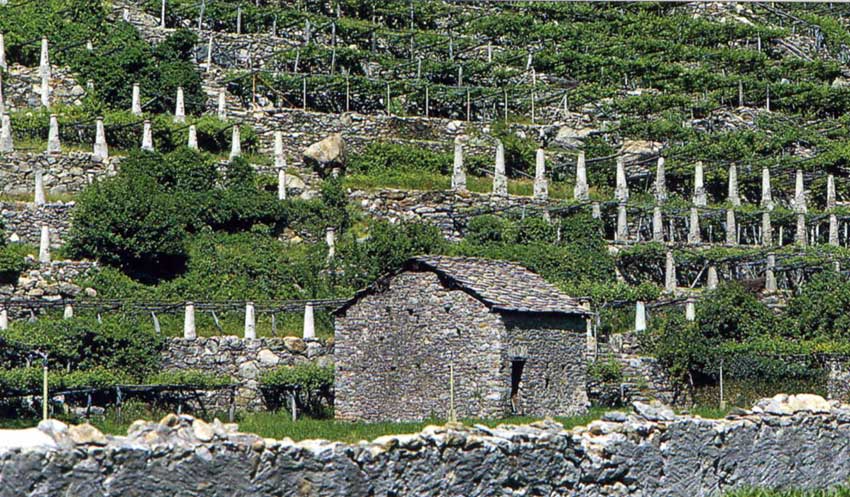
[
  {"x": 731, "y": 312},
  {"x": 188, "y": 377},
  {"x": 822, "y": 308},
  {"x": 311, "y": 384}
]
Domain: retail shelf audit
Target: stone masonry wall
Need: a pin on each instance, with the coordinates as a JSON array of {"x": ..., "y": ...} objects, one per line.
[
  {"x": 395, "y": 347},
  {"x": 801, "y": 441},
  {"x": 243, "y": 359},
  {"x": 22, "y": 87},
  {"x": 63, "y": 173},
  {"x": 22, "y": 221}
]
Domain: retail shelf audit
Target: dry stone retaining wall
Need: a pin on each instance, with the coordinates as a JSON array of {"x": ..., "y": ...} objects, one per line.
[
  {"x": 801, "y": 441},
  {"x": 24, "y": 221},
  {"x": 22, "y": 88},
  {"x": 63, "y": 173}
]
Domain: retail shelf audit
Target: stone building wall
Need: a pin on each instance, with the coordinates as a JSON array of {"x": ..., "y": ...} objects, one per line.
[
  {"x": 394, "y": 349},
  {"x": 243, "y": 359},
  {"x": 838, "y": 379},
  {"x": 23, "y": 221},
  {"x": 63, "y": 173},
  {"x": 797, "y": 442}
]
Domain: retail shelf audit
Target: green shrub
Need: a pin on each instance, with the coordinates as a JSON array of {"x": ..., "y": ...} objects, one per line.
[
  {"x": 488, "y": 228},
  {"x": 730, "y": 312},
  {"x": 189, "y": 377},
  {"x": 379, "y": 157},
  {"x": 608, "y": 371},
  {"x": 310, "y": 383},
  {"x": 13, "y": 261},
  {"x": 821, "y": 308}
]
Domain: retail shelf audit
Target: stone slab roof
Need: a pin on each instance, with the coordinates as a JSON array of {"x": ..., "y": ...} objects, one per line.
[{"x": 501, "y": 285}]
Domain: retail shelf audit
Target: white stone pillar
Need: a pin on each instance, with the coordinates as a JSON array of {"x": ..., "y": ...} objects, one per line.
[
  {"x": 734, "y": 198},
  {"x": 670, "y": 273},
  {"x": 189, "y": 331},
  {"x": 44, "y": 61},
  {"x": 621, "y": 192},
  {"x": 4, "y": 319},
  {"x": 694, "y": 235},
  {"x": 2, "y": 99},
  {"x": 766, "y": 230},
  {"x": 235, "y": 143},
  {"x": 700, "y": 197},
  {"x": 53, "y": 144},
  {"x": 657, "y": 225},
  {"x": 595, "y": 210},
  {"x": 660, "y": 182},
  {"x": 690, "y": 310},
  {"x": 136, "y": 106},
  {"x": 209, "y": 53},
  {"x": 180, "y": 107},
  {"x": 769, "y": 275},
  {"x": 44, "y": 91},
  {"x": 800, "y": 235},
  {"x": 458, "y": 172},
  {"x": 309, "y": 322},
  {"x": 833, "y": 230},
  {"x": 500, "y": 179},
  {"x": 44, "y": 245},
  {"x": 830, "y": 192},
  {"x": 622, "y": 233},
  {"x": 580, "y": 190},
  {"x": 162, "y": 16},
  {"x": 731, "y": 228},
  {"x": 6, "y": 143},
  {"x": 799, "y": 194},
  {"x": 712, "y": 278},
  {"x": 766, "y": 194},
  {"x": 101, "y": 149},
  {"x": 193, "y": 137},
  {"x": 39, "y": 197},
  {"x": 640, "y": 316},
  {"x": 281, "y": 183},
  {"x": 3, "y": 65},
  {"x": 222, "y": 105},
  {"x": 250, "y": 321},
  {"x": 541, "y": 184},
  {"x": 330, "y": 241},
  {"x": 147, "y": 136},
  {"x": 279, "y": 159},
  {"x": 68, "y": 313}
]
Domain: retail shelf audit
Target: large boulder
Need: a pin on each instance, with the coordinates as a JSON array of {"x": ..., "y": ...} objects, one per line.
[{"x": 327, "y": 156}]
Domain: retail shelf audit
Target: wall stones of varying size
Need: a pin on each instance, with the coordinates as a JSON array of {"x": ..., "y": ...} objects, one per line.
[
  {"x": 51, "y": 281},
  {"x": 799, "y": 441},
  {"x": 244, "y": 360},
  {"x": 22, "y": 221},
  {"x": 22, "y": 87},
  {"x": 63, "y": 173},
  {"x": 838, "y": 378}
]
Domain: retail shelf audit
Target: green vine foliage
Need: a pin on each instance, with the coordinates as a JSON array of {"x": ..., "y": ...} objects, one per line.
[{"x": 311, "y": 384}]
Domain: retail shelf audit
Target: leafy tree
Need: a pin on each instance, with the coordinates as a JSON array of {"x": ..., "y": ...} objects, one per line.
[
  {"x": 821, "y": 308},
  {"x": 730, "y": 312}
]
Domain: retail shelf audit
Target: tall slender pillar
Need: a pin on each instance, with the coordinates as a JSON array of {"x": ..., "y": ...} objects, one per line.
[
  {"x": 694, "y": 235},
  {"x": 101, "y": 149},
  {"x": 766, "y": 194},
  {"x": 309, "y": 322},
  {"x": 235, "y": 143},
  {"x": 621, "y": 192},
  {"x": 657, "y": 225},
  {"x": 766, "y": 230},
  {"x": 189, "y": 331},
  {"x": 712, "y": 279},
  {"x": 250, "y": 321},
  {"x": 581, "y": 191},
  {"x": 700, "y": 197},
  {"x": 136, "y": 105},
  {"x": 500, "y": 179},
  {"x": 670, "y": 273},
  {"x": 193, "y": 137},
  {"x": 830, "y": 192},
  {"x": 734, "y": 198},
  {"x": 640, "y": 316},
  {"x": 690, "y": 310},
  {"x": 44, "y": 245},
  {"x": 769, "y": 275},
  {"x": 180, "y": 107},
  {"x": 6, "y": 143},
  {"x": 833, "y": 230},
  {"x": 39, "y": 198},
  {"x": 3, "y": 65},
  {"x": 53, "y": 144},
  {"x": 541, "y": 184},
  {"x": 330, "y": 241},
  {"x": 799, "y": 193},
  {"x": 660, "y": 182},
  {"x": 222, "y": 105},
  {"x": 4, "y": 319},
  {"x": 458, "y": 172},
  {"x": 800, "y": 235},
  {"x": 731, "y": 228},
  {"x": 147, "y": 136}
]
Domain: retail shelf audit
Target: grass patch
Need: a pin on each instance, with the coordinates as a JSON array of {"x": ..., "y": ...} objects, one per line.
[{"x": 834, "y": 492}]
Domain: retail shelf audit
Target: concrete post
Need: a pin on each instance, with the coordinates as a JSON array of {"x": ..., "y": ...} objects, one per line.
[
  {"x": 279, "y": 159},
  {"x": 541, "y": 184},
  {"x": 734, "y": 198},
  {"x": 44, "y": 61},
  {"x": 595, "y": 210},
  {"x": 657, "y": 225},
  {"x": 39, "y": 197},
  {"x": 68, "y": 313},
  {"x": 833, "y": 230},
  {"x": 44, "y": 91},
  {"x": 766, "y": 230},
  {"x": 162, "y": 15},
  {"x": 189, "y": 322},
  {"x": 44, "y": 245},
  {"x": 180, "y": 107},
  {"x": 330, "y": 240},
  {"x": 580, "y": 191},
  {"x": 458, "y": 172},
  {"x": 6, "y": 144},
  {"x": 193, "y": 137},
  {"x": 136, "y": 105},
  {"x": 640, "y": 316},
  {"x": 500, "y": 180},
  {"x": 235, "y": 143},
  {"x": 147, "y": 136},
  {"x": 670, "y": 273},
  {"x": 800, "y": 235},
  {"x": 799, "y": 194},
  {"x": 690, "y": 310},
  {"x": 660, "y": 182},
  {"x": 281, "y": 183},
  {"x": 222, "y": 105},
  {"x": 694, "y": 235},
  {"x": 101, "y": 149},
  {"x": 621, "y": 192},
  {"x": 622, "y": 233},
  {"x": 4, "y": 319},
  {"x": 2, "y": 100},
  {"x": 830, "y": 192},
  {"x": 766, "y": 194},
  {"x": 731, "y": 228},
  {"x": 769, "y": 275},
  {"x": 712, "y": 279},
  {"x": 250, "y": 321},
  {"x": 53, "y": 144},
  {"x": 700, "y": 197},
  {"x": 309, "y": 323},
  {"x": 3, "y": 65},
  {"x": 209, "y": 53},
  {"x": 90, "y": 86}
]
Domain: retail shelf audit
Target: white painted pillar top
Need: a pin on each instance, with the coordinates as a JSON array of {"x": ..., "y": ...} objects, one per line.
[
  {"x": 6, "y": 143},
  {"x": 250, "y": 321},
  {"x": 54, "y": 146},
  {"x": 309, "y": 322},
  {"x": 660, "y": 181},
  {"x": 39, "y": 197},
  {"x": 500, "y": 179},
  {"x": 235, "y": 143},
  {"x": 101, "y": 149},
  {"x": 690, "y": 310},
  {"x": 193, "y": 137},
  {"x": 180, "y": 107},
  {"x": 541, "y": 184},
  {"x": 147, "y": 136},
  {"x": 799, "y": 193},
  {"x": 580, "y": 191},
  {"x": 700, "y": 197},
  {"x": 734, "y": 198},
  {"x": 712, "y": 278},
  {"x": 44, "y": 245},
  {"x": 621, "y": 192},
  {"x": 68, "y": 313},
  {"x": 458, "y": 171},
  {"x": 189, "y": 331},
  {"x": 136, "y": 106},
  {"x": 640, "y": 316},
  {"x": 766, "y": 194}
]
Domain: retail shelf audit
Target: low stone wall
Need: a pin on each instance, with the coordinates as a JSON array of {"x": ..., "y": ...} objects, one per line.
[
  {"x": 52, "y": 281},
  {"x": 22, "y": 87},
  {"x": 22, "y": 221},
  {"x": 800, "y": 441},
  {"x": 243, "y": 359},
  {"x": 838, "y": 379},
  {"x": 63, "y": 173}
]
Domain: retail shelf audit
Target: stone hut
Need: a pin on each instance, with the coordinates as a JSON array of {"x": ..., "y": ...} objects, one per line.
[{"x": 506, "y": 340}]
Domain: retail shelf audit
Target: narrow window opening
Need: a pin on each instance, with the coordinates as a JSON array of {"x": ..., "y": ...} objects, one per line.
[{"x": 516, "y": 386}]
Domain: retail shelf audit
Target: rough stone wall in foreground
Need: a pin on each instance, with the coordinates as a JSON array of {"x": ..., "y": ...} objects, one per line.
[{"x": 801, "y": 441}]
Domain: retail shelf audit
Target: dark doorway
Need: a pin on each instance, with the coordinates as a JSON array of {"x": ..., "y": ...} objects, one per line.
[{"x": 516, "y": 384}]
